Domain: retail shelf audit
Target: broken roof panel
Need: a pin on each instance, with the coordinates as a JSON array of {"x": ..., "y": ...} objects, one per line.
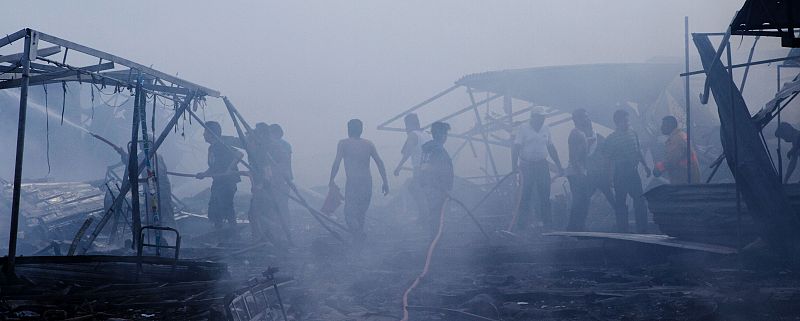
[
  {"x": 598, "y": 88},
  {"x": 768, "y": 18}
]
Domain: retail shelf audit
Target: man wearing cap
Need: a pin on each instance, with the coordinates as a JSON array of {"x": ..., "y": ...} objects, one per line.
[
  {"x": 222, "y": 168},
  {"x": 532, "y": 145}
]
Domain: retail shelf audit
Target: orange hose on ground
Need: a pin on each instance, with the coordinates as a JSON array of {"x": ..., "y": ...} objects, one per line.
[{"x": 431, "y": 248}]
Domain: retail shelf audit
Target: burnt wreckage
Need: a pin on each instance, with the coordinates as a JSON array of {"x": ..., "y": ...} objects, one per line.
[
  {"x": 699, "y": 267},
  {"x": 77, "y": 283}
]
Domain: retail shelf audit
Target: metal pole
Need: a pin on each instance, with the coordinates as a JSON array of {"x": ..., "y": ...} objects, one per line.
[
  {"x": 780, "y": 153},
  {"x": 133, "y": 170},
  {"x": 735, "y": 148},
  {"x": 483, "y": 130},
  {"x": 688, "y": 104},
  {"x": 30, "y": 39}
]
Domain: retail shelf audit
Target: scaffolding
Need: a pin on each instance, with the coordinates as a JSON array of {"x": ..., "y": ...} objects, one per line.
[{"x": 38, "y": 64}]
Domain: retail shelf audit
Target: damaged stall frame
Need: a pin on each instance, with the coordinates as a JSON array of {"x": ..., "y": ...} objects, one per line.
[{"x": 34, "y": 67}]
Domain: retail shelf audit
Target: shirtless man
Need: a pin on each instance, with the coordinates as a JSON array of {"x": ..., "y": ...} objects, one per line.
[{"x": 356, "y": 153}]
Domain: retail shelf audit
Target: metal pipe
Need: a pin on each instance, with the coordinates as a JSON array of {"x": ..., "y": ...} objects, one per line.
[
  {"x": 126, "y": 187},
  {"x": 688, "y": 104},
  {"x": 735, "y": 149},
  {"x": 133, "y": 170},
  {"x": 780, "y": 153},
  {"x": 23, "y": 107},
  {"x": 483, "y": 130}
]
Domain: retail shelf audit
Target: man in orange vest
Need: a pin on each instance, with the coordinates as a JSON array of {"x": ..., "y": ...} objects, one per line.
[{"x": 675, "y": 163}]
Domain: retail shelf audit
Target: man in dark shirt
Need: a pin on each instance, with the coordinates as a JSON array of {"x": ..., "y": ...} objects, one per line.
[
  {"x": 436, "y": 174},
  {"x": 222, "y": 168},
  {"x": 622, "y": 149}
]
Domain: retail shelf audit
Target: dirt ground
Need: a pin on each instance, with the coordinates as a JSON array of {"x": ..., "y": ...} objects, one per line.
[{"x": 521, "y": 277}]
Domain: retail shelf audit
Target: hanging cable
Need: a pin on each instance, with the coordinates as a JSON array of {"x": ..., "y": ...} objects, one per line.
[
  {"x": 63, "y": 99},
  {"x": 92, "y": 88},
  {"x": 46, "y": 128}
]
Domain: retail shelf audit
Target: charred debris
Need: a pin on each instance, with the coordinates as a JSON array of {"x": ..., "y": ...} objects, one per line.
[{"x": 725, "y": 248}]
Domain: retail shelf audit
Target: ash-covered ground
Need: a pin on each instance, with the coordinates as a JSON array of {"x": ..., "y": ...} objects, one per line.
[{"x": 524, "y": 276}]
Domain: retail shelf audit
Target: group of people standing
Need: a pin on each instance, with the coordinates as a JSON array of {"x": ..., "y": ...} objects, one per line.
[
  {"x": 610, "y": 165},
  {"x": 596, "y": 163},
  {"x": 269, "y": 157}
]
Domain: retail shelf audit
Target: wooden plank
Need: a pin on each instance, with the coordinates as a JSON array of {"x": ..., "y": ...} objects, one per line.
[
  {"x": 655, "y": 239},
  {"x": 49, "y": 51},
  {"x": 130, "y": 64}
]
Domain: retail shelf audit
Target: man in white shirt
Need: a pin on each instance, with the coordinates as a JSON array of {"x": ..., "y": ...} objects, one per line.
[
  {"x": 412, "y": 149},
  {"x": 532, "y": 145}
]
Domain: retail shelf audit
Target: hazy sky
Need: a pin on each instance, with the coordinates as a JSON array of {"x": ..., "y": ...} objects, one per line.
[{"x": 312, "y": 65}]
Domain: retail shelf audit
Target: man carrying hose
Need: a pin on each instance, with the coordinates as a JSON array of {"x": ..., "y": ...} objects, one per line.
[{"x": 222, "y": 168}]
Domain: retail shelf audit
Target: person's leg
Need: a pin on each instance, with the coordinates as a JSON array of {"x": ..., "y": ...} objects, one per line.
[
  {"x": 253, "y": 214},
  {"x": 581, "y": 194},
  {"x": 358, "y": 192},
  {"x": 418, "y": 197},
  {"x": 435, "y": 201},
  {"x": 350, "y": 199},
  {"x": 598, "y": 181},
  {"x": 214, "y": 210},
  {"x": 639, "y": 206},
  {"x": 542, "y": 179},
  {"x": 280, "y": 194},
  {"x": 524, "y": 210},
  {"x": 620, "y": 201},
  {"x": 230, "y": 210},
  {"x": 272, "y": 224}
]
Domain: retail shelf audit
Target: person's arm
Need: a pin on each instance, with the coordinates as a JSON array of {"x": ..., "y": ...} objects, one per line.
[
  {"x": 411, "y": 140},
  {"x": 289, "y": 167},
  {"x": 793, "y": 155},
  {"x": 336, "y": 162},
  {"x": 647, "y": 170},
  {"x": 515, "y": 157},
  {"x": 551, "y": 149},
  {"x": 381, "y": 170},
  {"x": 234, "y": 165},
  {"x": 674, "y": 154},
  {"x": 578, "y": 150},
  {"x": 232, "y": 141}
]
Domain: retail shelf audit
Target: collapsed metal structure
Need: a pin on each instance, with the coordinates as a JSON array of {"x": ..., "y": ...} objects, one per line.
[
  {"x": 561, "y": 88},
  {"x": 36, "y": 65},
  {"x": 758, "y": 180}
]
